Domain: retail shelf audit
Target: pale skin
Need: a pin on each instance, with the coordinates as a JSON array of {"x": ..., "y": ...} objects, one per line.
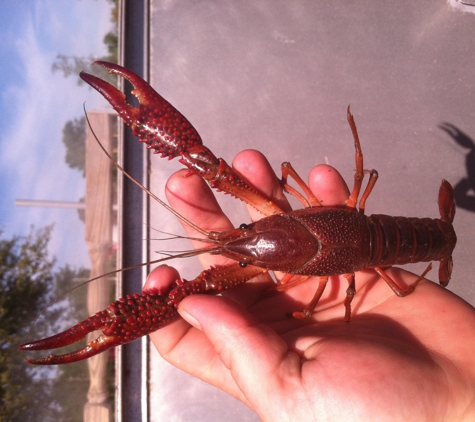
[{"x": 397, "y": 359}]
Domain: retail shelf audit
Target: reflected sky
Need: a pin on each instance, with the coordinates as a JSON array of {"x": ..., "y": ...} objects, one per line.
[{"x": 35, "y": 105}]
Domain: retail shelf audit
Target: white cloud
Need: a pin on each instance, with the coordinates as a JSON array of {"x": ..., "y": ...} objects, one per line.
[{"x": 32, "y": 153}]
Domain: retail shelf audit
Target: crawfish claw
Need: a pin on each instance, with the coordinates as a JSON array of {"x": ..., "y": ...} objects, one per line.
[
  {"x": 156, "y": 122},
  {"x": 166, "y": 131},
  {"x": 121, "y": 322}
]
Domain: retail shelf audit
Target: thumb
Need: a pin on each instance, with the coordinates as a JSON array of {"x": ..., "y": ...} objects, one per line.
[{"x": 258, "y": 359}]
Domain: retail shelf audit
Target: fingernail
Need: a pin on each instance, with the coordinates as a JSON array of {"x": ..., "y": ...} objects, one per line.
[{"x": 190, "y": 319}]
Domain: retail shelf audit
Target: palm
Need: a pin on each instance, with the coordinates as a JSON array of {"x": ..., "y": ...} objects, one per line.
[{"x": 396, "y": 359}]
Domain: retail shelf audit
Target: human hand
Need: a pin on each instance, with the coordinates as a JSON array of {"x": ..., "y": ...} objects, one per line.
[{"x": 397, "y": 359}]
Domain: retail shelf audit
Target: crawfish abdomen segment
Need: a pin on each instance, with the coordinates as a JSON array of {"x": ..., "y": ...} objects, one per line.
[{"x": 403, "y": 240}]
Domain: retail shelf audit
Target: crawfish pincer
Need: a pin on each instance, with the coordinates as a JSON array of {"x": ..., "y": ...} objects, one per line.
[{"x": 132, "y": 317}]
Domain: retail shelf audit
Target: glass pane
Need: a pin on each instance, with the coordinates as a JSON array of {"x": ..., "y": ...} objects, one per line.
[
  {"x": 52, "y": 174},
  {"x": 277, "y": 77}
]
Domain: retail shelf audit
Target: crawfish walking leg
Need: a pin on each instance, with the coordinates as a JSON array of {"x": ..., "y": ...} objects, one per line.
[
  {"x": 397, "y": 289},
  {"x": 288, "y": 170},
  {"x": 350, "y": 294},
  {"x": 307, "y": 311}
]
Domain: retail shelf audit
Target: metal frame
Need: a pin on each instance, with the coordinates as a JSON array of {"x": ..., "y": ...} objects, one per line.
[{"x": 132, "y": 359}]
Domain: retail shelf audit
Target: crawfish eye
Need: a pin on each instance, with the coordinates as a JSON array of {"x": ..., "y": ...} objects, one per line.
[
  {"x": 243, "y": 226},
  {"x": 242, "y": 264}
]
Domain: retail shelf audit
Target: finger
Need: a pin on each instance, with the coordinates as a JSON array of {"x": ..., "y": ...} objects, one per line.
[
  {"x": 191, "y": 197},
  {"x": 328, "y": 186},
  {"x": 184, "y": 346},
  {"x": 161, "y": 278},
  {"x": 165, "y": 339},
  {"x": 256, "y": 170}
]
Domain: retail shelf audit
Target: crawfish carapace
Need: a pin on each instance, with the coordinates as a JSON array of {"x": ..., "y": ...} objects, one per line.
[{"x": 314, "y": 241}]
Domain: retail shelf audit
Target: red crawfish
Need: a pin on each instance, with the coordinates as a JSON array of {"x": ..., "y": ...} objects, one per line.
[{"x": 314, "y": 241}]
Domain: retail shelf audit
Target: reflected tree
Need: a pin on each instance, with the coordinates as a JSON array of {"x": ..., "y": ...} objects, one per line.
[
  {"x": 74, "y": 139},
  {"x": 28, "y": 284}
]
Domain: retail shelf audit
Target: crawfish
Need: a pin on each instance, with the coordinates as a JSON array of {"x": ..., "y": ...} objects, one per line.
[{"x": 314, "y": 241}]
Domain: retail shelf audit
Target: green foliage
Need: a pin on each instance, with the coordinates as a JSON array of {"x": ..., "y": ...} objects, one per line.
[
  {"x": 28, "y": 283},
  {"x": 111, "y": 40},
  {"x": 74, "y": 139},
  {"x": 67, "y": 279},
  {"x": 25, "y": 279}
]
